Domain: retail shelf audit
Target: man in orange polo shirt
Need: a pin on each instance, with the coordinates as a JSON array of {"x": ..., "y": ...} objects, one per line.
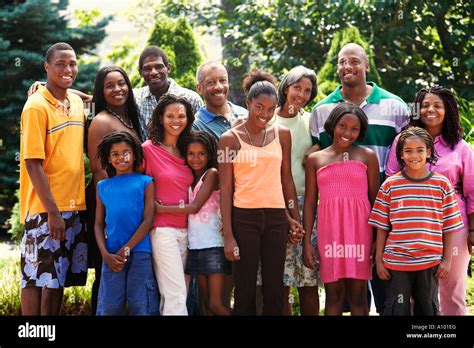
[{"x": 52, "y": 184}]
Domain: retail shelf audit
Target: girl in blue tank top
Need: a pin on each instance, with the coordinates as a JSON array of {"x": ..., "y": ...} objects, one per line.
[{"x": 124, "y": 217}]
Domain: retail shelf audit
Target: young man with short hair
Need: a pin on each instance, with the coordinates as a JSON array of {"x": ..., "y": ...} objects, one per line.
[{"x": 52, "y": 181}]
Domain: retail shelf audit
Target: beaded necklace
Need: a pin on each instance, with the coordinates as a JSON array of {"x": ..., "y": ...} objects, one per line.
[{"x": 110, "y": 111}]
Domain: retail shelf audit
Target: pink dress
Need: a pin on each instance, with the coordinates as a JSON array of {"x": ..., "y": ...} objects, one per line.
[{"x": 344, "y": 236}]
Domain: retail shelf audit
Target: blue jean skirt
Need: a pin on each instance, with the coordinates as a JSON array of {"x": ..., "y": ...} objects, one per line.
[{"x": 207, "y": 261}]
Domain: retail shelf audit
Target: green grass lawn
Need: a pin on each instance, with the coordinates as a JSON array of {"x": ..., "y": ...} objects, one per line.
[{"x": 77, "y": 299}]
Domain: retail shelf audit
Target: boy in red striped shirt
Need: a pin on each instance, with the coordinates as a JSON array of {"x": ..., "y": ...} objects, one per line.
[{"x": 414, "y": 213}]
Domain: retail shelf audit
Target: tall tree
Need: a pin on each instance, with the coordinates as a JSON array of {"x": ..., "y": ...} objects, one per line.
[
  {"x": 217, "y": 16},
  {"x": 176, "y": 38},
  {"x": 27, "y": 29},
  {"x": 415, "y": 42}
]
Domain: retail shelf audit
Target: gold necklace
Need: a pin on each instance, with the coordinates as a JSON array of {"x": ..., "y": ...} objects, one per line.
[
  {"x": 110, "y": 111},
  {"x": 248, "y": 135}
]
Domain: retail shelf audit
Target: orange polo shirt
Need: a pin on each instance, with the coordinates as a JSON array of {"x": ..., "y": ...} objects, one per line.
[{"x": 49, "y": 133}]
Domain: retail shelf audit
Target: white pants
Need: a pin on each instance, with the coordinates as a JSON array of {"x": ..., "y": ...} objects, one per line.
[{"x": 169, "y": 249}]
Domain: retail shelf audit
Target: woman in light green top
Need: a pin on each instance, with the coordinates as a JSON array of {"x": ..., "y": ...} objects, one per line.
[{"x": 297, "y": 89}]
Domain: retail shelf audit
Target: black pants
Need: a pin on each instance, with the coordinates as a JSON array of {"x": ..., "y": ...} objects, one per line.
[
  {"x": 94, "y": 256},
  {"x": 422, "y": 286},
  {"x": 261, "y": 234}
]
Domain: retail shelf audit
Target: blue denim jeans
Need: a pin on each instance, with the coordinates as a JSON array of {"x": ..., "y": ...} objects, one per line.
[{"x": 134, "y": 285}]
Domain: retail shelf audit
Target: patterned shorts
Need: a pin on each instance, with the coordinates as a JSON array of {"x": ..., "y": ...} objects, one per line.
[
  {"x": 52, "y": 263},
  {"x": 296, "y": 273}
]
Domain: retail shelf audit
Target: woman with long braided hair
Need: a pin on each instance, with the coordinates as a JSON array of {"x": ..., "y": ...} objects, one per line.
[{"x": 439, "y": 115}]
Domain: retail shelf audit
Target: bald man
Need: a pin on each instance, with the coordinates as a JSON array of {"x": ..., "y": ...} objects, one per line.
[{"x": 387, "y": 115}]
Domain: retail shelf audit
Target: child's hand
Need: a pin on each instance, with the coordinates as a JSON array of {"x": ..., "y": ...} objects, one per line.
[
  {"x": 158, "y": 205},
  {"x": 309, "y": 256},
  {"x": 115, "y": 262},
  {"x": 443, "y": 269},
  {"x": 382, "y": 272},
  {"x": 296, "y": 231},
  {"x": 231, "y": 249},
  {"x": 124, "y": 252},
  {"x": 34, "y": 87}
]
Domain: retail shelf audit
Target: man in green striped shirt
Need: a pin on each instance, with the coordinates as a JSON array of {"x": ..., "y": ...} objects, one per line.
[{"x": 387, "y": 113}]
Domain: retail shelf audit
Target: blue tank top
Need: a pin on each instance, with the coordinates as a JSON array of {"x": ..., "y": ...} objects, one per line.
[{"x": 123, "y": 197}]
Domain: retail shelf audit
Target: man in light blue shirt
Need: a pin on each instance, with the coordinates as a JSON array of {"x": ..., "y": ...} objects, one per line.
[{"x": 219, "y": 114}]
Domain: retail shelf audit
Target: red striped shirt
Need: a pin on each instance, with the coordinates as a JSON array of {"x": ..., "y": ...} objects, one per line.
[{"x": 416, "y": 213}]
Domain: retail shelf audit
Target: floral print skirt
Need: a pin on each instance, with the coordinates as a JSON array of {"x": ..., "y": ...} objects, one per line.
[{"x": 52, "y": 263}]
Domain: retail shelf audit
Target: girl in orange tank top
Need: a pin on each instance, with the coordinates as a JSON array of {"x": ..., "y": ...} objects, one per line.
[{"x": 258, "y": 199}]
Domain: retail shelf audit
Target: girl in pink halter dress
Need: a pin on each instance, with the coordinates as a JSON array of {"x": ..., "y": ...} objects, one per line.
[
  {"x": 345, "y": 176},
  {"x": 344, "y": 236}
]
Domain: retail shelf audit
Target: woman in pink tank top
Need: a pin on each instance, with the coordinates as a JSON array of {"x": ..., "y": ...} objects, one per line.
[
  {"x": 259, "y": 206},
  {"x": 164, "y": 154}
]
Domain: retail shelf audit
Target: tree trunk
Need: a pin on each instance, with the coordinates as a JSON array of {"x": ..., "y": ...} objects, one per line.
[{"x": 232, "y": 53}]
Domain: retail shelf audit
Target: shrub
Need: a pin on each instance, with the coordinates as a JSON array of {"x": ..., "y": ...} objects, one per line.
[{"x": 76, "y": 301}]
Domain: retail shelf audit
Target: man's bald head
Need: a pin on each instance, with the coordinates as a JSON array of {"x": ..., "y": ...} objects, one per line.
[
  {"x": 352, "y": 65},
  {"x": 354, "y": 49}
]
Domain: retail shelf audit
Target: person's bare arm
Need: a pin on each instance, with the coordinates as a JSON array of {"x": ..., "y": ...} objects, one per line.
[
  {"x": 445, "y": 266},
  {"x": 209, "y": 184},
  {"x": 57, "y": 227},
  {"x": 309, "y": 211},
  {"x": 289, "y": 190},
  {"x": 227, "y": 144},
  {"x": 373, "y": 175},
  {"x": 115, "y": 262},
  {"x": 314, "y": 148},
  {"x": 288, "y": 185},
  {"x": 86, "y": 98},
  {"x": 382, "y": 272},
  {"x": 99, "y": 127}
]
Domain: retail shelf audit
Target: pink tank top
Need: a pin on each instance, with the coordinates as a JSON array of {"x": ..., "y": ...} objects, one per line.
[{"x": 257, "y": 175}]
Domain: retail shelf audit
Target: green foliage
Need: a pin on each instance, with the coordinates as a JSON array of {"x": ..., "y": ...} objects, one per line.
[
  {"x": 295, "y": 301},
  {"x": 16, "y": 227},
  {"x": 10, "y": 287},
  {"x": 415, "y": 42},
  {"x": 27, "y": 29},
  {"x": 470, "y": 289},
  {"x": 76, "y": 301},
  {"x": 466, "y": 112},
  {"x": 176, "y": 38},
  {"x": 327, "y": 76},
  {"x": 125, "y": 54}
]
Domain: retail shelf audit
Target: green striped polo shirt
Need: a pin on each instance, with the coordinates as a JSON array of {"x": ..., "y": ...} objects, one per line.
[{"x": 387, "y": 114}]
